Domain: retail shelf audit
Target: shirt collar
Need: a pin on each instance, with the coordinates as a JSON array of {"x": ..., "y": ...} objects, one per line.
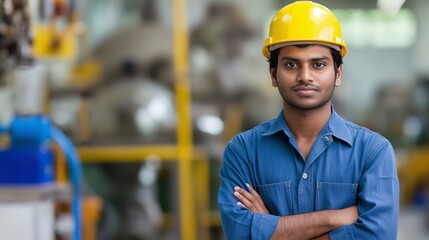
[
  {"x": 336, "y": 127},
  {"x": 278, "y": 124}
]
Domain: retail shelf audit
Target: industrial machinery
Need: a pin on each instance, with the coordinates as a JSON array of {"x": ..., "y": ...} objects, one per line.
[
  {"x": 41, "y": 193},
  {"x": 28, "y": 168}
]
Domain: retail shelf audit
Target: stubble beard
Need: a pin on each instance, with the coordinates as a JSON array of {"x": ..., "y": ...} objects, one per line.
[{"x": 295, "y": 104}]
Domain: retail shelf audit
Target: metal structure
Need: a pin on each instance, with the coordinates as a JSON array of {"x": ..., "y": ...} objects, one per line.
[{"x": 192, "y": 163}]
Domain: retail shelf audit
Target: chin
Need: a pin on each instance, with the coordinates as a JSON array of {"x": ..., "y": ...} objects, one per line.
[{"x": 309, "y": 106}]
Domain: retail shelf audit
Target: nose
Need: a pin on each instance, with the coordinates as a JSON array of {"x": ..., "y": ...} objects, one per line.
[{"x": 305, "y": 74}]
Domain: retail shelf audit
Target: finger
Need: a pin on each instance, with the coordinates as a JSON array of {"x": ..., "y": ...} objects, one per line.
[
  {"x": 246, "y": 194},
  {"x": 244, "y": 202},
  {"x": 254, "y": 193},
  {"x": 257, "y": 197},
  {"x": 255, "y": 205},
  {"x": 243, "y": 196}
]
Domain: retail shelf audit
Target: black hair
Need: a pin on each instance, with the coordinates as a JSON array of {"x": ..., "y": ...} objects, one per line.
[{"x": 274, "y": 57}]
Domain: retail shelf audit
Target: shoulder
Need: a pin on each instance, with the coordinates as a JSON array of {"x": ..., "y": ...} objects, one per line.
[
  {"x": 365, "y": 137},
  {"x": 363, "y": 132},
  {"x": 373, "y": 150},
  {"x": 252, "y": 135}
]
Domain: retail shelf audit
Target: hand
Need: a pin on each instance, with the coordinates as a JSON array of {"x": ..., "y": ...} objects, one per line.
[{"x": 251, "y": 201}]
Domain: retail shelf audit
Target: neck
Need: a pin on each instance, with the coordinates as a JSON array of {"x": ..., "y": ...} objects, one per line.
[{"x": 306, "y": 124}]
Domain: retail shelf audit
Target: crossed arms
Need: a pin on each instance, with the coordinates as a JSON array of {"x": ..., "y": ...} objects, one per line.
[
  {"x": 314, "y": 225},
  {"x": 375, "y": 215}
]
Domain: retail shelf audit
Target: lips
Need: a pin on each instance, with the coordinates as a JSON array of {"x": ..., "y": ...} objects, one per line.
[{"x": 306, "y": 91}]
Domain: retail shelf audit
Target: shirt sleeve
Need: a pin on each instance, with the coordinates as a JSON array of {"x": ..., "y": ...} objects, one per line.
[
  {"x": 238, "y": 222},
  {"x": 378, "y": 199}
]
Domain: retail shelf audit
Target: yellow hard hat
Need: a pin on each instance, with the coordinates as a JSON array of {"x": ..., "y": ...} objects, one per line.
[{"x": 304, "y": 22}]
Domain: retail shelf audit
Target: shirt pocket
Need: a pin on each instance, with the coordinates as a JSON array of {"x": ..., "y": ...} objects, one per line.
[
  {"x": 332, "y": 195},
  {"x": 277, "y": 197}
]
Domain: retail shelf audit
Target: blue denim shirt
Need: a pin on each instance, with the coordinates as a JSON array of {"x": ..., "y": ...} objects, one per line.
[{"x": 347, "y": 165}]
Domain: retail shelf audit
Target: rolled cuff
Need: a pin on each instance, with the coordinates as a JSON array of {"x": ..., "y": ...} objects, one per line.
[{"x": 264, "y": 226}]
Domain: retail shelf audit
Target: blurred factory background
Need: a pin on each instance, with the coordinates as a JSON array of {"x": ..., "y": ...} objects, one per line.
[{"x": 150, "y": 91}]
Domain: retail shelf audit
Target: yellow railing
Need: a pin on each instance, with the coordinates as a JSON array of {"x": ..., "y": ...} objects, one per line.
[{"x": 195, "y": 181}]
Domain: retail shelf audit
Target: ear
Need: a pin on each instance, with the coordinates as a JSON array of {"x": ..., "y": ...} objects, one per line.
[
  {"x": 273, "y": 74},
  {"x": 338, "y": 77}
]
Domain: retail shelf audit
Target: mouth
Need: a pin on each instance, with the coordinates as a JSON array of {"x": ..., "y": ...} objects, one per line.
[{"x": 306, "y": 91}]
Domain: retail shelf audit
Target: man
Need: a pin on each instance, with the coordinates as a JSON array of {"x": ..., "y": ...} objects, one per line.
[{"x": 308, "y": 174}]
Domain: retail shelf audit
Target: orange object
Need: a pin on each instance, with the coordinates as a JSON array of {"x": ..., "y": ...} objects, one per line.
[{"x": 91, "y": 209}]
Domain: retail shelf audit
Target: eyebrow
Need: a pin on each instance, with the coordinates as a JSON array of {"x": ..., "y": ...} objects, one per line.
[{"x": 286, "y": 58}]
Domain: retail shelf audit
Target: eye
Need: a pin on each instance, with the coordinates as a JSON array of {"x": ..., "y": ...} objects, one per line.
[
  {"x": 319, "y": 65},
  {"x": 291, "y": 65}
]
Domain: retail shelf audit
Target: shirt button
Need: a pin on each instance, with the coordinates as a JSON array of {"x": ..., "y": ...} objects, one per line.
[
  {"x": 326, "y": 139},
  {"x": 304, "y": 176}
]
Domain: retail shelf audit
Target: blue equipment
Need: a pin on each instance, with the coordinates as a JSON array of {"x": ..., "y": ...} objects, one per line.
[{"x": 29, "y": 160}]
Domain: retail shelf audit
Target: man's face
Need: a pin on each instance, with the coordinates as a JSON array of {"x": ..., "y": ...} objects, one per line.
[{"x": 305, "y": 76}]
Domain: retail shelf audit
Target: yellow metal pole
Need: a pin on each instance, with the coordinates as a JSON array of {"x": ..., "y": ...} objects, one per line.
[
  {"x": 202, "y": 188},
  {"x": 121, "y": 154},
  {"x": 184, "y": 129}
]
